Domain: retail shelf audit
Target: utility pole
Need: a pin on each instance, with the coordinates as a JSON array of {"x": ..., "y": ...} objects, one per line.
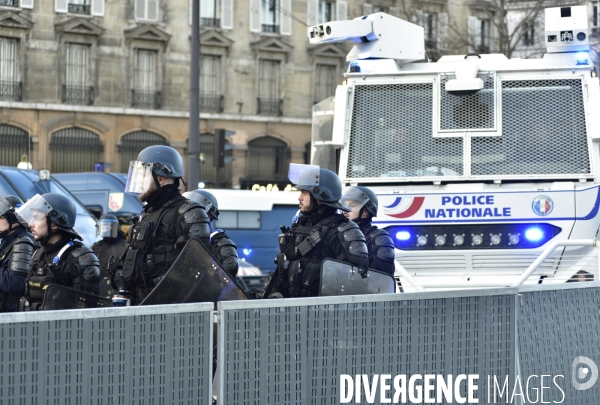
[{"x": 193, "y": 177}]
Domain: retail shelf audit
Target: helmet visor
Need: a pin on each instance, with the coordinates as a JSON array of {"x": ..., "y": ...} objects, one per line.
[
  {"x": 34, "y": 210},
  {"x": 354, "y": 198},
  {"x": 108, "y": 228},
  {"x": 139, "y": 177},
  {"x": 5, "y": 206},
  {"x": 304, "y": 175}
]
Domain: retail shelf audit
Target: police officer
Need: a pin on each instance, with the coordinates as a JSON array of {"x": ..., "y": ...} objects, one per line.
[
  {"x": 62, "y": 259},
  {"x": 223, "y": 248},
  {"x": 319, "y": 233},
  {"x": 16, "y": 250},
  {"x": 363, "y": 203},
  {"x": 166, "y": 223},
  {"x": 113, "y": 239}
]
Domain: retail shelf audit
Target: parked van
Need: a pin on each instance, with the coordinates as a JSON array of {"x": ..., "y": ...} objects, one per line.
[
  {"x": 27, "y": 183},
  {"x": 252, "y": 220}
]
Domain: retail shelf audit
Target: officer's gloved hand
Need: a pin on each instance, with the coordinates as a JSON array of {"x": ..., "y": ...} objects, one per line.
[
  {"x": 218, "y": 234},
  {"x": 275, "y": 295}
]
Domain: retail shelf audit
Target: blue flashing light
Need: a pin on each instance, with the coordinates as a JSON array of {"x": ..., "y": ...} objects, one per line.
[
  {"x": 582, "y": 58},
  {"x": 247, "y": 251},
  {"x": 403, "y": 235},
  {"x": 534, "y": 234}
]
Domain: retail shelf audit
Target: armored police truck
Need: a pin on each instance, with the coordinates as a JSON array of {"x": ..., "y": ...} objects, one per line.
[{"x": 481, "y": 163}]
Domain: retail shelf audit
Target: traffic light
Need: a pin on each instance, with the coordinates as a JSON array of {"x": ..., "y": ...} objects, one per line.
[{"x": 220, "y": 146}]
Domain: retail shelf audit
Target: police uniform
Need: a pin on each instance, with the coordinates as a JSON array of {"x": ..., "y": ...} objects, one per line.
[
  {"x": 167, "y": 222},
  {"x": 380, "y": 245},
  {"x": 67, "y": 262},
  {"x": 16, "y": 251}
]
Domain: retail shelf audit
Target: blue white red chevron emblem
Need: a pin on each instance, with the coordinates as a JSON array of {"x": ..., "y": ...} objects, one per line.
[{"x": 404, "y": 207}]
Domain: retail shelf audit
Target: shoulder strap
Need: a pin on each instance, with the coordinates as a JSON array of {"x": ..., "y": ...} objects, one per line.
[{"x": 64, "y": 249}]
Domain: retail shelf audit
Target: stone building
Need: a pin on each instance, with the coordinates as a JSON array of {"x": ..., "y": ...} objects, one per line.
[{"x": 87, "y": 84}]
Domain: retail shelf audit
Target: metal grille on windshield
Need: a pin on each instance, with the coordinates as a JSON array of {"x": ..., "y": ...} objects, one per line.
[{"x": 391, "y": 135}]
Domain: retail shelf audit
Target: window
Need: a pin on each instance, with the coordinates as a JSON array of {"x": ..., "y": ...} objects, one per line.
[
  {"x": 326, "y": 82},
  {"x": 269, "y": 15},
  {"x": 429, "y": 26},
  {"x": 79, "y": 6},
  {"x": 144, "y": 92},
  {"x": 595, "y": 10},
  {"x": 268, "y": 159},
  {"x": 74, "y": 150},
  {"x": 76, "y": 89},
  {"x": 326, "y": 11},
  {"x": 238, "y": 220},
  {"x": 10, "y": 78},
  {"x": 380, "y": 9},
  {"x": 9, "y": 3},
  {"x": 146, "y": 10},
  {"x": 528, "y": 33},
  {"x": 483, "y": 36},
  {"x": 15, "y": 143},
  {"x": 134, "y": 142},
  {"x": 211, "y": 98},
  {"x": 208, "y": 14},
  {"x": 269, "y": 102},
  {"x": 86, "y": 7}
]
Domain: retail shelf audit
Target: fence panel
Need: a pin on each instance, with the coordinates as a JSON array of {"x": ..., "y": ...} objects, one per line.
[
  {"x": 294, "y": 351},
  {"x": 136, "y": 355},
  {"x": 556, "y": 326}
]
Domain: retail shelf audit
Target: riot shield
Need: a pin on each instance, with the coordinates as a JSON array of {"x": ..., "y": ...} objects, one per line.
[
  {"x": 59, "y": 297},
  {"x": 195, "y": 276},
  {"x": 339, "y": 278},
  {"x": 104, "y": 253}
]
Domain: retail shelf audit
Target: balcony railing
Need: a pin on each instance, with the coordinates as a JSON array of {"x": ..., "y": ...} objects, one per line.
[
  {"x": 73, "y": 94},
  {"x": 211, "y": 102},
  {"x": 431, "y": 44},
  {"x": 9, "y": 3},
  {"x": 146, "y": 98},
  {"x": 210, "y": 22},
  {"x": 269, "y": 106},
  {"x": 12, "y": 91},
  {"x": 79, "y": 8},
  {"x": 274, "y": 28}
]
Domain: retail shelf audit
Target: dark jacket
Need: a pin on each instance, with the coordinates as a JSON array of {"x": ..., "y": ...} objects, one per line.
[
  {"x": 380, "y": 245},
  {"x": 77, "y": 268},
  {"x": 13, "y": 274}
]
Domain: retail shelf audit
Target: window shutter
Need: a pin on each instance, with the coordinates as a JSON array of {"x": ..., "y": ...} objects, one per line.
[
  {"x": 442, "y": 31},
  {"x": 227, "y": 14},
  {"x": 152, "y": 10},
  {"x": 61, "y": 6},
  {"x": 191, "y": 10},
  {"x": 472, "y": 33},
  {"x": 140, "y": 9},
  {"x": 342, "y": 10},
  {"x": 255, "y": 16},
  {"x": 29, "y": 4},
  {"x": 312, "y": 11},
  {"x": 286, "y": 17},
  {"x": 98, "y": 8},
  {"x": 367, "y": 9},
  {"x": 395, "y": 11}
]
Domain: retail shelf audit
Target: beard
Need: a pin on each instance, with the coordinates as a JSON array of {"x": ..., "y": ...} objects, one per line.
[{"x": 151, "y": 190}]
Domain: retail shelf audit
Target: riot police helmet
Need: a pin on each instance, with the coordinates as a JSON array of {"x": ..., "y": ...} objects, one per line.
[
  {"x": 207, "y": 200},
  {"x": 8, "y": 207},
  {"x": 108, "y": 226},
  {"x": 323, "y": 184},
  {"x": 359, "y": 198},
  {"x": 59, "y": 210},
  {"x": 159, "y": 160}
]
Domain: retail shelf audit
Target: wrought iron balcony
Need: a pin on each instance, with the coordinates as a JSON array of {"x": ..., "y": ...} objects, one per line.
[
  {"x": 269, "y": 106},
  {"x": 74, "y": 94},
  {"x": 431, "y": 44},
  {"x": 274, "y": 28},
  {"x": 12, "y": 91},
  {"x": 211, "y": 102},
  {"x": 79, "y": 8},
  {"x": 9, "y": 3},
  {"x": 146, "y": 98},
  {"x": 210, "y": 22}
]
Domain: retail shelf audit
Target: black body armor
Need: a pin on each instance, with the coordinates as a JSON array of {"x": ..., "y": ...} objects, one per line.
[
  {"x": 156, "y": 240},
  {"x": 303, "y": 247},
  {"x": 16, "y": 252},
  {"x": 68, "y": 263},
  {"x": 381, "y": 247},
  {"x": 225, "y": 251}
]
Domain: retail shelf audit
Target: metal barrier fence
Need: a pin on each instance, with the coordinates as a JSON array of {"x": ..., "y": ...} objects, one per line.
[{"x": 134, "y": 355}]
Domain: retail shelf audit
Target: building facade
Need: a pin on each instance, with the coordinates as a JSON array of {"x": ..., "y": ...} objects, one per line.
[{"x": 87, "y": 84}]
